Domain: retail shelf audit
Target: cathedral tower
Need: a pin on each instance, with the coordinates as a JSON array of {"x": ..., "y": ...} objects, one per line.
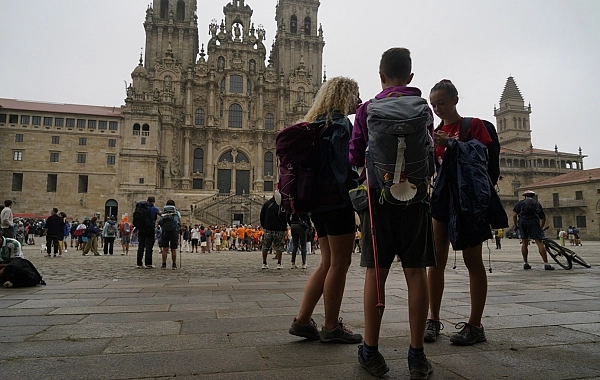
[{"x": 512, "y": 119}]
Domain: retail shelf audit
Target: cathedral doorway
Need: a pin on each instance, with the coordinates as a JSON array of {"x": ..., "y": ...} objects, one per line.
[
  {"x": 224, "y": 181},
  {"x": 242, "y": 182},
  {"x": 111, "y": 207}
]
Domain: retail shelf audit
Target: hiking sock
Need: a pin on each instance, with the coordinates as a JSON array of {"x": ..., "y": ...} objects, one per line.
[
  {"x": 278, "y": 262},
  {"x": 369, "y": 352},
  {"x": 265, "y": 263},
  {"x": 415, "y": 353}
]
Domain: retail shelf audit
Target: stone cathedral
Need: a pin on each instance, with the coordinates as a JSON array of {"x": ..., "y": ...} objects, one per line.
[{"x": 203, "y": 116}]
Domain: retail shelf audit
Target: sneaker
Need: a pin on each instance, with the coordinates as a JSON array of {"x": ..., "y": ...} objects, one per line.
[
  {"x": 150, "y": 266},
  {"x": 139, "y": 266},
  {"x": 468, "y": 335},
  {"x": 548, "y": 267},
  {"x": 420, "y": 368},
  {"x": 279, "y": 266},
  {"x": 308, "y": 331},
  {"x": 174, "y": 266},
  {"x": 340, "y": 334},
  {"x": 376, "y": 366},
  {"x": 294, "y": 266},
  {"x": 432, "y": 330},
  {"x": 163, "y": 266},
  {"x": 265, "y": 266},
  {"x": 304, "y": 266},
  {"x": 526, "y": 266}
]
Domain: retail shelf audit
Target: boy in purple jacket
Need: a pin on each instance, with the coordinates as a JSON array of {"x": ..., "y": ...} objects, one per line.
[{"x": 401, "y": 230}]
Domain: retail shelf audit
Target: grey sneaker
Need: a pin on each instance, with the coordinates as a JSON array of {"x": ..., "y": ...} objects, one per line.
[
  {"x": 376, "y": 366},
  {"x": 468, "y": 335},
  {"x": 420, "y": 369},
  {"x": 432, "y": 330},
  {"x": 308, "y": 331},
  {"x": 526, "y": 266},
  {"x": 548, "y": 267},
  {"x": 340, "y": 334}
]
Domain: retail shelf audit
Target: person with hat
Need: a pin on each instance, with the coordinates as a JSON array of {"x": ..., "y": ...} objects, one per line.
[{"x": 529, "y": 218}]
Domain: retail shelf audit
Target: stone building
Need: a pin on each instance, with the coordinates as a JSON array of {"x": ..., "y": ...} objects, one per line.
[{"x": 520, "y": 163}]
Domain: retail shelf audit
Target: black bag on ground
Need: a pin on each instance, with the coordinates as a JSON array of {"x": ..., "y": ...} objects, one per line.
[{"x": 20, "y": 273}]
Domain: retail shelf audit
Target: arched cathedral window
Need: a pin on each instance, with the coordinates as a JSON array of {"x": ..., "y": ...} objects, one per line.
[
  {"x": 198, "y": 160},
  {"x": 180, "y": 10},
  {"x": 199, "y": 117},
  {"x": 145, "y": 130},
  {"x": 307, "y": 25},
  {"x": 294, "y": 24},
  {"x": 235, "y": 116},
  {"x": 164, "y": 9},
  {"x": 269, "y": 122},
  {"x": 268, "y": 164},
  {"x": 136, "y": 129},
  {"x": 236, "y": 84}
]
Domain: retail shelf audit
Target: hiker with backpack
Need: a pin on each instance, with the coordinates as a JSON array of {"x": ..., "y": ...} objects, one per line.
[
  {"x": 125, "y": 228},
  {"x": 529, "y": 218},
  {"x": 333, "y": 216},
  {"x": 109, "y": 232},
  {"x": 144, "y": 221},
  {"x": 169, "y": 223},
  {"x": 393, "y": 132},
  {"x": 462, "y": 191}
]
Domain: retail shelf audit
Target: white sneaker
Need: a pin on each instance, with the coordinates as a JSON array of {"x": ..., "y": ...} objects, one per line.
[
  {"x": 265, "y": 266},
  {"x": 279, "y": 266},
  {"x": 304, "y": 266},
  {"x": 294, "y": 266}
]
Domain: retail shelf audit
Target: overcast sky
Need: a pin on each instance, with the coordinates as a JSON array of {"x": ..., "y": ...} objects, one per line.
[{"x": 82, "y": 51}]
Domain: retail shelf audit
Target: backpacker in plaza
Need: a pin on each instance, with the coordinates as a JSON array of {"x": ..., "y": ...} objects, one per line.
[
  {"x": 493, "y": 151},
  {"x": 297, "y": 150},
  {"x": 111, "y": 230},
  {"x": 141, "y": 217},
  {"x": 400, "y": 154},
  {"x": 169, "y": 220}
]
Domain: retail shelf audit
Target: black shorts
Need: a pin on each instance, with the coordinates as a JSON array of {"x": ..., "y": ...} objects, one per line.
[
  {"x": 334, "y": 222},
  {"x": 530, "y": 229},
  {"x": 169, "y": 239},
  {"x": 405, "y": 231}
]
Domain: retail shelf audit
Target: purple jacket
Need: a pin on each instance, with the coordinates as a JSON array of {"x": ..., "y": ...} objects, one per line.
[{"x": 360, "y": 135}]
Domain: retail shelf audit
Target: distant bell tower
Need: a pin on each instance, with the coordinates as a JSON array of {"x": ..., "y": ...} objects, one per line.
[
  {"x": 512, "y": 118},
  {"x": 171, "y": 31},
  {"x": 299, "y": 40}
]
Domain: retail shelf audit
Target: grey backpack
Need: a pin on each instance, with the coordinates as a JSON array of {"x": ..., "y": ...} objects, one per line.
[{"x": 400, "y": 155}]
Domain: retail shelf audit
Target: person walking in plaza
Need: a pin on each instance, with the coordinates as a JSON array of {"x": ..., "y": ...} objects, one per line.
[
  {"x": 110, "y": 235},
  {"x": 125, "y": 229},
  {"x": 53, "y": 229},
  {"x": 402, "y": 230},
  {"x": 92, "y": 232},
  {"x": 529, "y": 218},
  {"x": 62, "y": 238},
  {"x": 169, "y": 238},
  {"x": 334, "y": 216},
  {"x": 274, "y": 222},
  {"x": 499, "y": 236},
  {"x": 6, "y": 220},
  {"x": 444, "y": 98},
  {"x": 144, "y": 221}
]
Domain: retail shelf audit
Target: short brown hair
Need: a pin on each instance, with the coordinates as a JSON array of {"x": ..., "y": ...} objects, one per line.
[{"x": 396, "y": 63}]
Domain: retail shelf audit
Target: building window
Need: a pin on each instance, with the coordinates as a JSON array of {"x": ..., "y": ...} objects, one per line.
[
  {"x": 82, "y": 141},
  {"x": 143, "y": 141},
  {"x": 581, "y": 222},
  {"x": 241, "y": 157},
  {"x": 222, "y": 86},
  {"x": 25, "y": 119},
  {"x": 51, "y": 183},
  {"x": 579, "y": 195},
  {"x": 54, "y": 156},
  {"x": 136, "y": 129},
  {"x": 294, "y": 24},
  {"x": 36, "y": 120},
  {"x": 102, "y": 124},
  {"x": 17, "y": 182},
  {"x": 268, "y": 186},
  {"x": 199, "y": 117},
  {"x": 47, "y": 121},
  {"x": 91, "y": 124},
  {"x": 557, "y": 221},
  {"x": 70, "y": 123},
  {"x": 81, "y": 158},
  {"x": 55, "y": 139},
  {"x": 13, "y": 119},
  {"x": 235, "y": 116},
  {"x": 598, "y": 191},
  {"x": 17, "y": 155},
  {"x": 164, "y": 9},
  {"x": 198, "y": 160},
  {"x": 555, "y": 200},
  {"x": 19, "y": 138},
  {"x": 113, "y": 125},
  {"x": 59, "y": 121},
  {"x": 180, "y": 10},
  {"x": 269, "y": 122},
  {"x": 236, "y": 84},
  {"x": 141, "y": 181},
  {"x": 268, "y": 164},
  {"x": 145, "y": 130},
  {"x": 82, "y": 186},
  {"x": 307, "y": 25},
  {"x": 112, "y": 143},
  {"x": 111, "y": 159},
  {"x": 81, "y": 123},
  {"x": 197, "y": 184},
  {"x": 2, "y": 118}
]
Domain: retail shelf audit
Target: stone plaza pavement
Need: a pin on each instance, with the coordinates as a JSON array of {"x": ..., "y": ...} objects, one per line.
[{"x": 221, "y": 317}]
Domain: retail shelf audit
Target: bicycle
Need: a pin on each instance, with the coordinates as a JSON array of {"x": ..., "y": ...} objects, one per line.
[
  {"x": 557, "y": 252},
  {"x": 575, "y": 257}
]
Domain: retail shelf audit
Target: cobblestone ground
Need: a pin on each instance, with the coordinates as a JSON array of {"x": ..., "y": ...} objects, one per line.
[{"x": 219, "y": 316}]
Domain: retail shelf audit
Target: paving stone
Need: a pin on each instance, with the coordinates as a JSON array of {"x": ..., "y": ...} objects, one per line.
[
  {"x": 110, "y": 309},
  {"x": 109, "y": 330},
  {"x": 58, "y": 348}
]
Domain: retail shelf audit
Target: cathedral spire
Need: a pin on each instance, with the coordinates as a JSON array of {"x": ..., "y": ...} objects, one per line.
[{"x": 511, "y": 91}]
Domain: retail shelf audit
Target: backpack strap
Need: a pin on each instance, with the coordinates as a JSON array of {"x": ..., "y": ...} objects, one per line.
[{"x": 465, "y": 123}]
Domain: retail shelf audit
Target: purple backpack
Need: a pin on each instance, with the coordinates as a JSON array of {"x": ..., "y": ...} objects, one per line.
[{"x": 297, "y": 149}]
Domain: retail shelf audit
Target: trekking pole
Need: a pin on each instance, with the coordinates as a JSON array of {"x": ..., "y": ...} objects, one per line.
[{"x": 380, "y": 305}]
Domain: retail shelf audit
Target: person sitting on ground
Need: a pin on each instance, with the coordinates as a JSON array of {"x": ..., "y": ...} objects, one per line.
[{"x": 9, "y": 249}]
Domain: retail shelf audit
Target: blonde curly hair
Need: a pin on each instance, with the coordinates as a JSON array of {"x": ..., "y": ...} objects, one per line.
[{"x": 337, "y": 94}]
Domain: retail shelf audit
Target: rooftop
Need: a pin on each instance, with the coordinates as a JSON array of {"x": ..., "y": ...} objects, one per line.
[
  {"x": 540, "y": 152},
  {"x": 511, "y": 91},
  {"x": 573, "y": 177},
  {"x": 73, "y": 109}
]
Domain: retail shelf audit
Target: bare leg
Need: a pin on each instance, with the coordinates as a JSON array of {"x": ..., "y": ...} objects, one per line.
[
  {"x": 524, "y": 250},
  {"x": 435, "y": 275},
  {"x": 173, "y": 256},
  {"x": 418, "y": 303},
  {"x": 372, "y": 316},
  {"x": 477, "y": 283},
  {"x": 542, "y": 250}
]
